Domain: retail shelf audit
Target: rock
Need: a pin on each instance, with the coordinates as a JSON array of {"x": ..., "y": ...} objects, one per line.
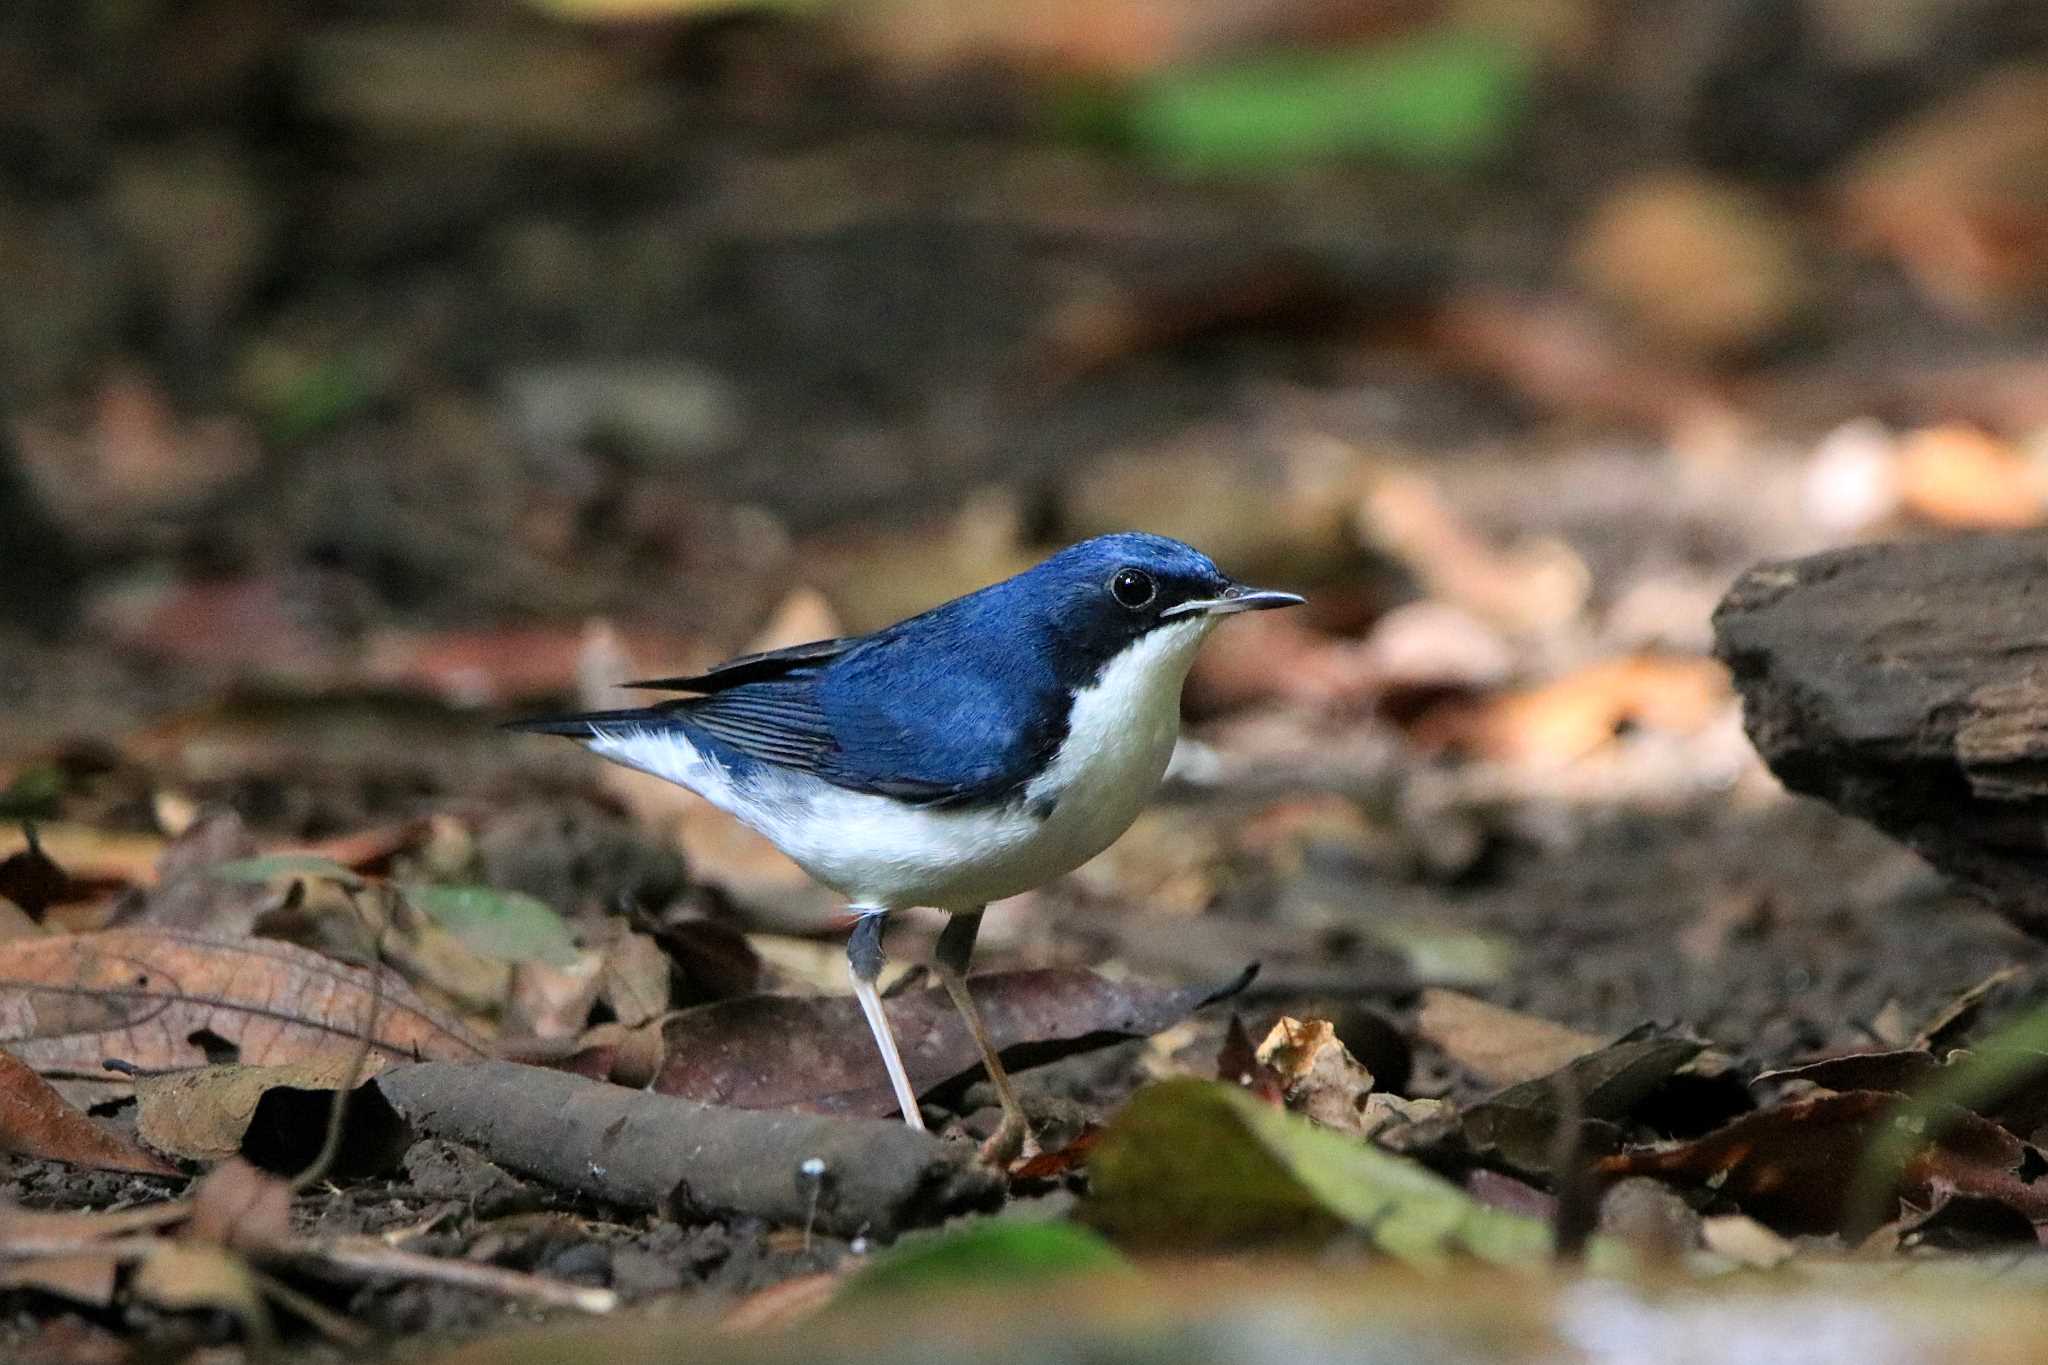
[
  {"x": 1905, "y": 684},
  {"x": 1703, "y": 266}
]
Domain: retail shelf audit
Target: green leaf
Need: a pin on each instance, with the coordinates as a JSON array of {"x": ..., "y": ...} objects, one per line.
[
  {"x": 1437, "y": 98},
  {"x": 276, "y": 867},
  {"x": 507, "y": 925},
  {"x": 1191, "y": 1165},
  {"x": 988, "y": 1251}
]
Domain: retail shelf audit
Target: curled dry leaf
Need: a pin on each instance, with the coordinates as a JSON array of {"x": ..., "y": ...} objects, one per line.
[
  {"x": 1321, "y": 1080},
  {"x": 1499, "y": 1046},
  {"x": 156, "y": 998},
  {"x": 773, "y": 1052},
  {"x": 36, "y": 1121}
]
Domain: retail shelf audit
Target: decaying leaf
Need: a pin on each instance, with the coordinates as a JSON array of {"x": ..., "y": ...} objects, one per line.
[
  {"x": 634, "y": 985},
  {"x": 205, "y": 1113},
  {"x": 1190, "y": 1165},
  {"x": 1320, "y": 1078},
  {"x": 775, "y": 1052},
  {"x": 1792, "y": 1165},
  {"x": 158, "y": 998},
  {"x": 1500, "y": 1046},
  {"x": 1519, "y": 1125},
  {"x": 36, "y": 1121}
]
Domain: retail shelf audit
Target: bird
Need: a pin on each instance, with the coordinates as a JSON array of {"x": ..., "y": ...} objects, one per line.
[{"x": 972, "y": 752}]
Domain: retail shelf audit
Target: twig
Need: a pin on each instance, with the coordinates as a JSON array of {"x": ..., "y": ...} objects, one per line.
[{"x": 371, "y": 1257}]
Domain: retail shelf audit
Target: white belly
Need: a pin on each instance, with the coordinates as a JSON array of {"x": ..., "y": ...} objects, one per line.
[{"x": 883, "y": 854}]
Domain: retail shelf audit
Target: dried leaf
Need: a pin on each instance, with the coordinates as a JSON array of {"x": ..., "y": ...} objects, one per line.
[
  {"x": 156, "y": 997},
  {"x": 1500, "y": 1046},
  {"x": 1238, "y": 1063},
  {"x": 1792, "y": 1165},
  {"x": 1321, "y": 1080},
  {"x": 1520, "y": 1124},
  {"x": 1962, "y": 477},
  {"x": 634, "y": 985},
  {"x": 772, "y": 1052},
  {"x": 1948, "y": 1024},
  {"x": 1745, "y": 1241},
  {"x": 1895, "y": 1071},
  {"x": 203, "y": 1114},
  {"x": 1575, "y": 716},
  {"x": 35, "y": 1121},
  {"x": 191, "y": 894},
  {"x": 547, "y": 1001}
]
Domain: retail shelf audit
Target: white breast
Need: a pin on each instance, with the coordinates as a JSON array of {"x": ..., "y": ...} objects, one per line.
[{"x": 883, "y": 854}]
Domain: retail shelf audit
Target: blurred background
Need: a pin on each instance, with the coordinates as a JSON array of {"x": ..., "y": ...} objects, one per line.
[{"x": 373, "y": 370}]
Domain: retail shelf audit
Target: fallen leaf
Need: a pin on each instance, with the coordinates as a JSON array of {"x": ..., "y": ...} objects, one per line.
[
  {"x": 35, "y": 1121},
  {"x": 205, "y": 1113},
  {"x": 1061, "y": 1161},
  {"x": 1966, "y": 478},
  {"x": 634, "y": 984},
  {"x": 1575, "y": 716},
  {"x": 1500, "y": 1046},
  {"x": 1190, "y": 1165},
  {"x": 31, "y": 879},
  {"x": 1320, "y": 1078},
  {"x": 1527, "y": 588},
  {"x": 275, "y": 868},
  {"x": 1519, "y": 1125},
  {"x": 154, "y": 997},
  {"x": 815, "y": 1054},
  {"x": 1899, "y": 1070},
  {"x": 508, "y": 926},
  {"x": 93, "y": 860},
  {"x": 1238, "y": 1063},
  {"x": 1947, "y": 1025},
  {"x": 1792, "y": 1165}
]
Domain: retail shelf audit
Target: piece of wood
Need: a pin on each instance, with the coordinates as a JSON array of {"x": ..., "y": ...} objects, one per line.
[
  {"x": 842, "y": 1175},
  {"x": 1907, "y": 684}
]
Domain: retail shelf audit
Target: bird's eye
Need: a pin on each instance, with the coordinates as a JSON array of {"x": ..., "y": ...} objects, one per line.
[{"x": 1133, "y": 588}]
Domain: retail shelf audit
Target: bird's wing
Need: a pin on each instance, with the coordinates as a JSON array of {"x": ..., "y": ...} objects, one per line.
[
  {"x": 882, "y": 714},
  {"x": 748, "y": 668}
]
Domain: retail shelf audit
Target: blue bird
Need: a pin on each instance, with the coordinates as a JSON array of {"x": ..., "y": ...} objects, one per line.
[{"x": 966, "y": 754}]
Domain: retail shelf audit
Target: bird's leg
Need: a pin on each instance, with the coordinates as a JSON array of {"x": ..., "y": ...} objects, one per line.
[
  {"x": 864, "y": 958},
  {"x": 956, "y": 946}
]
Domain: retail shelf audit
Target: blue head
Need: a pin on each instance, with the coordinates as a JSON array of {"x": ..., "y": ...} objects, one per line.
[{"x": 1092, "y": 601}]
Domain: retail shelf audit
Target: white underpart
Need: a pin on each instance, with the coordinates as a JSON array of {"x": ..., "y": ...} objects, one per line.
[{"x": 884, "y": 855}]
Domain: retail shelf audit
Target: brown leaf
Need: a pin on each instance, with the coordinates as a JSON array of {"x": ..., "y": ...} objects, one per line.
[
  {"x": 1238, "y": 1063},
  {"x": 815, "y": 1054},
  {"x": 1962, "y": 477},
  {"x": 1900, "y": 1070},
  {"x": 1581, "y": 713},
  {"x": 1500, "y": 1046},
  {"x": 35, "y": 1121},
  {"x": 181, "y": 1275},
  {"x": 1947, "y": 1025},
  {"x": 202, "y": 1114},
  {"x": 1792, "y": 1165},
  {"x": 635, "y": 982},
  {"x": 1520, "y": 1123},
  {"x": 156, "y": 997}
]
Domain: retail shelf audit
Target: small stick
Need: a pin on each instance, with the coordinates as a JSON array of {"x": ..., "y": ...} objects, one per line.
[{"x": 370, "y": 1257}]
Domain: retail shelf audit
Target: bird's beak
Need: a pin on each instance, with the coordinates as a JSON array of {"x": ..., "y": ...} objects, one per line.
[{"x": 1235, "y": 599}]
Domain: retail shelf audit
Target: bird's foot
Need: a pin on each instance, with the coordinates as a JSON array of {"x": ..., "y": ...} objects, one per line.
[{"x": 1011, "y": 1140}]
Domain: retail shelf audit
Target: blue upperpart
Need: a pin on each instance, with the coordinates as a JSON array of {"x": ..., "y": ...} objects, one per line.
[{"x": 962, "y": 704}]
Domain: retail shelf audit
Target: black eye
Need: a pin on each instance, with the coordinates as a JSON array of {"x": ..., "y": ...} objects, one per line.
[{"x": 1133, "y": 587}]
